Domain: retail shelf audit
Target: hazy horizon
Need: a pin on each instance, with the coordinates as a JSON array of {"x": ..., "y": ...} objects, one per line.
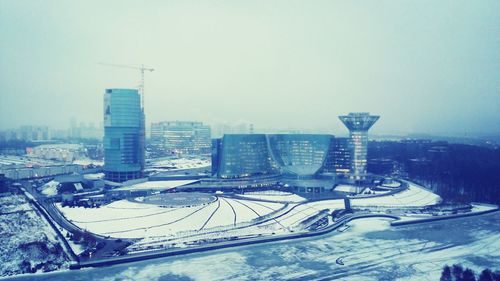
[{"x": 424, "y": 66}]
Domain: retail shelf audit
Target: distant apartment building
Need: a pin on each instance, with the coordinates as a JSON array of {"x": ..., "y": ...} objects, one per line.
[
  {"x": 59, "y": 152},
  {"x": 123, "y": 135},
  {"x": 181, "y": 137},
  {"x": 220, "y": 129},
  {"x": 85, "y": 131},
  {"x": 27, "y": 133}
]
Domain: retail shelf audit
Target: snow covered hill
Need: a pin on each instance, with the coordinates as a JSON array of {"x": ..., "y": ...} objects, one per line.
[{"x": 27, "y": 243}]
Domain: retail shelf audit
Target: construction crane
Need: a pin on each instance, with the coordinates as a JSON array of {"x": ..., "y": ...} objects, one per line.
[{"x": 141, "y": 68}]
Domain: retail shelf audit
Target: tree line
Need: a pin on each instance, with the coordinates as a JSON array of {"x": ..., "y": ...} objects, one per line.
[{"x": 457, "y": 172}]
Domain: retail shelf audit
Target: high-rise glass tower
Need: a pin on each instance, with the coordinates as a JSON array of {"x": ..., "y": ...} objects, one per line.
[
  {"x": 123, "y": 135},
  {"x": 358, "y": 124}
]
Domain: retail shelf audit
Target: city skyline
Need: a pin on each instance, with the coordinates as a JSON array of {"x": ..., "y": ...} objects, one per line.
[
  {"x": 249, "y": 140},
  {"x": 274, "y": 65}
]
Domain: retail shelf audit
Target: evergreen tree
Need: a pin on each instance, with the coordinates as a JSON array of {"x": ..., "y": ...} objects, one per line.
[
  {"x": 457, "y": 271},
  {"x": 486, "y": 275},
  {"x": 446, "y": 274},
  {"x": 468, "y": 275}
]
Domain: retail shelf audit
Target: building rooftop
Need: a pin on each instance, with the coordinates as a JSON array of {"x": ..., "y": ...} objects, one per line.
[
  {"x": 359, "y": 121},
  {"x": 157, "y": 185}
]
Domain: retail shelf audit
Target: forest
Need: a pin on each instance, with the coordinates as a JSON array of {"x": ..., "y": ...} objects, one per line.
[{"x": 457, "y": 172}]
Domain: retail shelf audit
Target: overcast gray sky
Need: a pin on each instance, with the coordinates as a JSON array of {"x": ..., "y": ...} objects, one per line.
[{"x": 424, "y": 66}]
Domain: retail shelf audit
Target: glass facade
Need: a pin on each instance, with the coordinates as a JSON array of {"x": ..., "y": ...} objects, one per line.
[
  {"x": 340, "y": 160},
  {"x": 300, "y": 155},
  {"x": 358, "y": 125},
  {"x": 216, "y": 152},
  {"x": 244, "y": 156},
  {"x": 123, "y": 135},
  {"x": 294, "y": 155}
]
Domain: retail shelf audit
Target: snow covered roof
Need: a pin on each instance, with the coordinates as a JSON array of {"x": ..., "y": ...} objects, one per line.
[
  {"x": 96, "y": 176},
  {"x": 78, "y": 186},
  {"x": 346, "y": 188},
  {"x": 50, "y": 188},
  {"x": 157, "y": 185},
  {"x": 88, "y": 161}
]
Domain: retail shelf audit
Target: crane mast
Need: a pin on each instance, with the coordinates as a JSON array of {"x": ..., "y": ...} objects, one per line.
[{"x": 142, "y": 70}]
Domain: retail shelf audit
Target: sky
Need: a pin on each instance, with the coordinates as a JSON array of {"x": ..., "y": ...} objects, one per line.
[{"x": 424, "y": 66}]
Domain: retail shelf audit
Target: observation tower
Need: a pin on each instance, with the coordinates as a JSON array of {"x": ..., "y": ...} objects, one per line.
[{"x": 358, "y": 124}]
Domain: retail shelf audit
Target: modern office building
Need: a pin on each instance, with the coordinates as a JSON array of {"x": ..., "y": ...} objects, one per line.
[
  {"x": 244, "y": 155},
  {"x": 358, "y": 125},
  {"x": 301, "y": 155},
  {"x": 216, "y": 151},
  {"x": 181, "y": 137},
  {"x": 291, "y": 155},
  {"x": 340, "y": 161},
  {"x": 123, "y": 135}
]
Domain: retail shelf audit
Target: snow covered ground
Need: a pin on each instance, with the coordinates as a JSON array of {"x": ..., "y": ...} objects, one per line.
[
  {"x": 126, "y": 219},
  {"x": 274, "y": 195},
  {"x": 27, "y": 242},
  {"x": 88, "y": 161},
  {"x": 369, "y": 250},
  {"x": 298, "y": 214},
  {"x": 157, "y": 185},
  {"x": 13, "y": 203},
  {"x": 346, "y": 188},
  {"x": 225, "y": 217},
  {"x": 414, "y": 196},
  {"x": 96, "y": 176},
  {"x": 27, "y": 161},
  {"x": 391, "y": 184},
  {"x": 479, "y": 207},
  {"x": 180, "y": 164}
]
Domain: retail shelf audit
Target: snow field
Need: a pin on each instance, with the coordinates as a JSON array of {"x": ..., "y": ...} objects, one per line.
[
  {"x": 306, "y": 210},
  {"x": 332, "y": 205},
  {"x": 254, "y": 208},
  {"x": 224, "y": 216},
  {"x": 298, "y": 214},
  {"x": 183, "y": 219},
  {"x": 414, "y": 196},
  {"x": 157, "y": 185},
  {"x": 345, "y": 188},
  {"x": 114, "y": 211},
  {"x": 13, "y": 203},
  {"x": 138, "y": 222},
  {"x": 274, "y": 195},
  {"x": 24, "y": 235},
  {"x": 126, "y": 219},
  {"x": 392, "y": 184}
]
